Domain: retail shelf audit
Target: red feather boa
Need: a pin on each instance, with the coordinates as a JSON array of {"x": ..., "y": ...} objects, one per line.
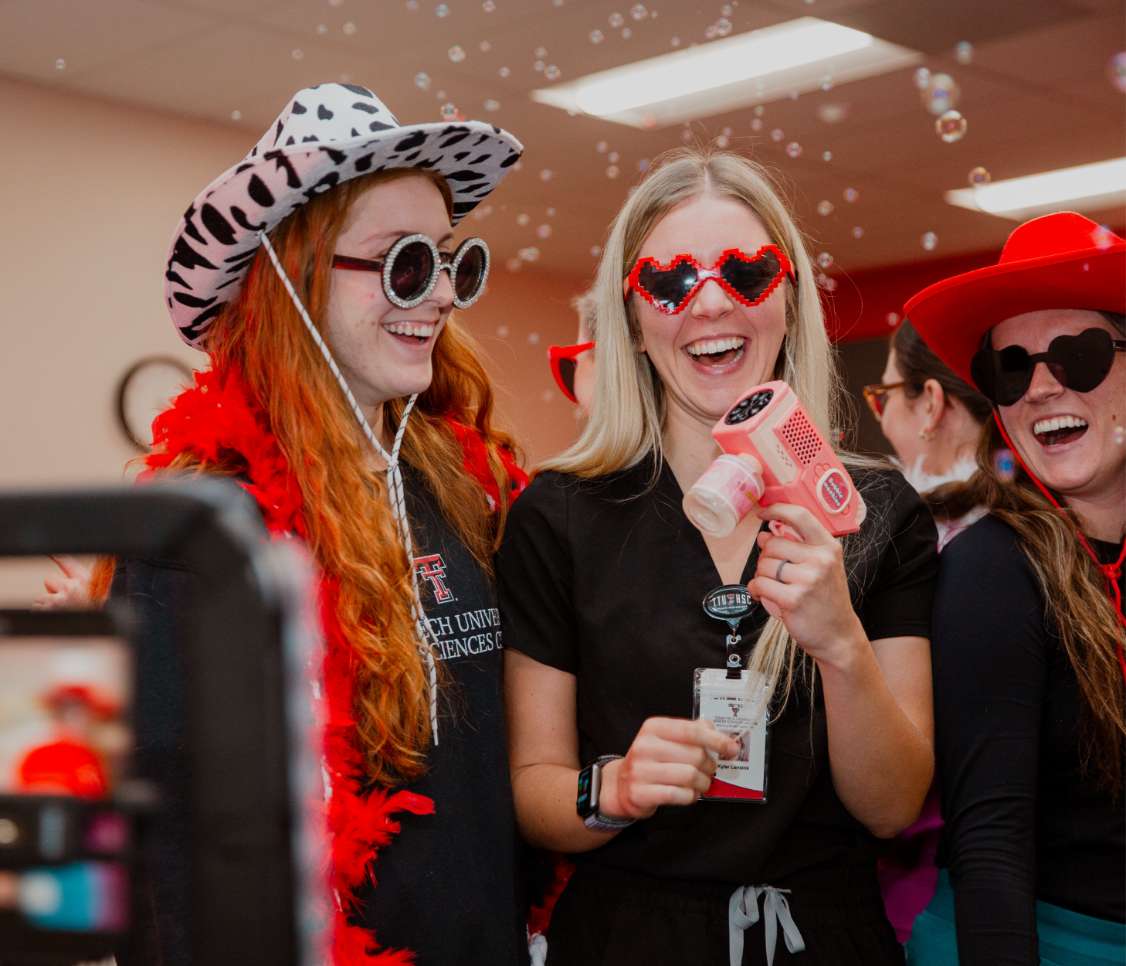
[{"x": 210, "y": 420}]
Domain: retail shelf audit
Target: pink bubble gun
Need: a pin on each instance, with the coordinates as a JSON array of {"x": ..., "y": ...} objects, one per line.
[{"x": 772, "y": 453}]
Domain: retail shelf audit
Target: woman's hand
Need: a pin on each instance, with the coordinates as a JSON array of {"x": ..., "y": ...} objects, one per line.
[
  {"x": 803, "y": 584},
  {"x": 671, "y": 762},
  {"x": 72, "y": 589}
]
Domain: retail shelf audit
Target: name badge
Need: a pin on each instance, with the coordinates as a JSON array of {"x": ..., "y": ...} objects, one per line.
[{"x": 738, "y": 707}]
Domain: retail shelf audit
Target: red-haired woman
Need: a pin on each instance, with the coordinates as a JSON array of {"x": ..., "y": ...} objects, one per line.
[{"x": 319, "y": 275}]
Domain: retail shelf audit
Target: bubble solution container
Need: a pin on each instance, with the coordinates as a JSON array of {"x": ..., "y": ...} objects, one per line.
[{"x": 726, "y": 493}]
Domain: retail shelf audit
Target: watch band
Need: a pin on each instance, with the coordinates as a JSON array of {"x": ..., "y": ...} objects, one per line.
[{"x": 595, "y": 820}]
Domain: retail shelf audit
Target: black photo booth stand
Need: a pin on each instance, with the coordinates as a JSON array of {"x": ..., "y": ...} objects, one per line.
[{"x": 254, "y": 869}]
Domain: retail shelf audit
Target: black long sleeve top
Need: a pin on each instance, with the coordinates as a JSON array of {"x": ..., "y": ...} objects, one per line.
[{"x": 1024, "y": 822}]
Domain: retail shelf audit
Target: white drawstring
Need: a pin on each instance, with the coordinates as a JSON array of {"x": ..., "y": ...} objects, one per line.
[
  {"x": 742, "y": 913},
  {"x": 395, "y": 493}
]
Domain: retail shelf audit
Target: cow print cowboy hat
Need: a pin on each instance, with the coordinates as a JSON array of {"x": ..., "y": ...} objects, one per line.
[{"x": 326, "y": 135}]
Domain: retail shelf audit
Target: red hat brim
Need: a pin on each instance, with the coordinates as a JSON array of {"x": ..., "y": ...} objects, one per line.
[{"x": 953, "y": 315}]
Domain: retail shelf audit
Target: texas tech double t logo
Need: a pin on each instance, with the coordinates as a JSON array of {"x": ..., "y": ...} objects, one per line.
[{"x": 433, "y": 568}]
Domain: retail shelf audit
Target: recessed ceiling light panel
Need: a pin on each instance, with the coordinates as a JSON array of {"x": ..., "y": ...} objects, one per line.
[
  {"x": 1085, "y": 187},
  {"x": 752, "y": 68}
]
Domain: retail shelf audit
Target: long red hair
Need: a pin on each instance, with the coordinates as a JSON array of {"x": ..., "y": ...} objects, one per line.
[{"x": 351, "y": 532}]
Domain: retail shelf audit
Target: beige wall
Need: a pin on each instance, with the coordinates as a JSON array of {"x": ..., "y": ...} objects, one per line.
[{"x": 90, "y": 194}]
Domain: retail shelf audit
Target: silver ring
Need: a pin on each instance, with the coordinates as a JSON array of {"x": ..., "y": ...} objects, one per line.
[{"x": 778, "y": 572}]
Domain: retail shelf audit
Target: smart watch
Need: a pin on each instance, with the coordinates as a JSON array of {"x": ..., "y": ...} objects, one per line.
[{"x": 586, "y": 804}]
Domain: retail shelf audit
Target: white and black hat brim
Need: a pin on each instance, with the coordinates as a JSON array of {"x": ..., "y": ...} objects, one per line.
[{"x": 326, "y": 136}]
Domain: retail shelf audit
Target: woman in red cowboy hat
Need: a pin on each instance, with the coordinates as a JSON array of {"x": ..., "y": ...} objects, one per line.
[{"x": 1029, "y": 672}]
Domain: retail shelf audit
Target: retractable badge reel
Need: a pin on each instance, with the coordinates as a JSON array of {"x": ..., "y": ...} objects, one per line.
[{"x": 735, "y": 700}]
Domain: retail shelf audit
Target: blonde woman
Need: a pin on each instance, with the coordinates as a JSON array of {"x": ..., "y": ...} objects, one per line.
[{"x": 601, "y": 579}]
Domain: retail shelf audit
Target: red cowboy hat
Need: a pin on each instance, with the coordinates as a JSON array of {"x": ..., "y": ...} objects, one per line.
[{"x": 1058, "y": 261}]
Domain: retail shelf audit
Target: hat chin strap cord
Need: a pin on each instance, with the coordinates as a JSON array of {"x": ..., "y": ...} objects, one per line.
[
  {"x": 1110, "y": 572},
  {"x": 426, "y": 640}
]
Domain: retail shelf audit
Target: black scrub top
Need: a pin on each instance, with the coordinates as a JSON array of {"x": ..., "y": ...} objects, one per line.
[{"x": 603, "y": 578}]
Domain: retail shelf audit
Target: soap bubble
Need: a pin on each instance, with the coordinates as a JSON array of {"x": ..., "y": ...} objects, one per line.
[
  {"x": 504, "y": 71},
  {"x": 893, "y": 319},
  {"x": 613, "y": 157},
  {"x": 539, "y": 66},
  {"x": 850, "y": 195},
  {"x": 596, "y": 37},
  {"x": 616, "y": 20},
  {"x": 514, "y": 264},
  {"x": 502, "y": 331},
  {"x": 322, "y": 28},
  {"x": 826, "y": 155},
  {"x": 979, "y": 176},
  {"x": 297, "y": 53},
  {"x": 950, "y": 127},
  {"x": 942, "y": 94},
  {"x": 674, "y": 42},
  {"x": 488, "y": 6},
  {"x": 442, "y": 10},
  {"x": 523, "y": 219},
  {"x": 449, "y": 112},
  {"x": 529, "y": 254},
  {"x": 349, "y": 28},
  {"x": 551, "y": 72},
  {"x": 534, "y": 337},
  {"x": 756, "y": 123},
  {"x": 964, "y": 52},
  {"x": 722, "y": 27},
  {"x": 612, "y": 171},
  {"x": 825, "y": 260},
  {"x": 793, "y": 150},
  {"x": 60, "y": 64},
  {"x": 824, "y": 208},
  {"x": 639, "y": 11},
  {"x": 485, "y": 46},
  {"x": 832, "y": 113},
  {"x": 1116, "y": 71},
  {"x": 759, "y": 110},
  {"x": 777, "y": 134},
  {"x": 723, "y": 141},
  {"x": 540, "y": 52},
  {"x": 546, "y": 174},
  {"x": 236, "y": 115},
  {"x": 1120, "y": 435},
  {"x": 550, "y": 212},
  {"x": 544, "y": 231},
  {"x": 857, "y": 232},
  {"x": 929, "y": 241},
  {"x": 626, "y": 33},
  {"x": 422, "y": 80},
  {"x": 601, "y": 147},
  {"x": 922, "y": 78},
  {"x": 492, "y": 105},
  {"x": 457, "y": 54},
  {"x": 595, "y": 251}
]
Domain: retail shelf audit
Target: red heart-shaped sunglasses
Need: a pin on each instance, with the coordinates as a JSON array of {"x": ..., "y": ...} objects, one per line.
[{"x": 750, "y": 279}]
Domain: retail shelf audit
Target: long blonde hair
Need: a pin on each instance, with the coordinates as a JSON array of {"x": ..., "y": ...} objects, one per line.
[{"x": 628, "y": 406}]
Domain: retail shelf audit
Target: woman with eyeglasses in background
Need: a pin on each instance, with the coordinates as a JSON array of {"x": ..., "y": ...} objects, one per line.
[
  {"x": 932, "y": 419},
  {"x": 934, "y": 422},
  {"x": 1029, "y": 669}
]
